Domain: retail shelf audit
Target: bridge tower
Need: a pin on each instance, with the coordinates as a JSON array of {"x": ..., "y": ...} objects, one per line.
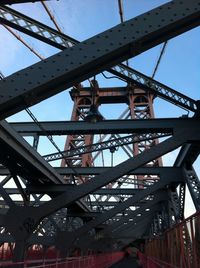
[{"x": 139, "y": 105}]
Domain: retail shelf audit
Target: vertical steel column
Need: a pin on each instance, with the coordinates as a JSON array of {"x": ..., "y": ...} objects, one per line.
[
  {"x": 141, "y": 107},
  {"x": 82, "y": 104}
]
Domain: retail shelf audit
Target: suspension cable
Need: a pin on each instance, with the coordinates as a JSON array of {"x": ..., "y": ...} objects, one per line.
[
  {"x": 24, "y": 42},
  {"x": 159, "y": 59},
  {"x": 51, "y": 16}
]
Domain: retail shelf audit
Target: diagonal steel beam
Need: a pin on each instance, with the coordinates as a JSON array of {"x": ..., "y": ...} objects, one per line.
[
  {"x": 131, "y": 230},
  {"x": 128, "y": 228},
  {"x": 112, "y": 212},
  {"x": 53, "y": 75},
  {"x": 35, "y": 214},
  {"x": 103, "y": 145},
  {"x": 50, "y": 36},
  {"x": 116, "y": 172},
  {"x": 180, "y": 136},
  {"x": 22, "y": 159},
  {"x": 149, "y": 84},
  {"x": 113, "y": 227},
  {"x": 35, "y": 28},
  {"x": 139, "y": 230},
  {"x": 158, "y": 197}
]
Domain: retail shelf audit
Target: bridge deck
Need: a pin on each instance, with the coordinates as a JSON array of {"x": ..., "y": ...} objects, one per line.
[{"x": 129, "y": 262}]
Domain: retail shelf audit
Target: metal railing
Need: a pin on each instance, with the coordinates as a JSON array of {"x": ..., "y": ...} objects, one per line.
[
  {"x": 179, "y": 246},
  {"x": 91, "y": 261}
]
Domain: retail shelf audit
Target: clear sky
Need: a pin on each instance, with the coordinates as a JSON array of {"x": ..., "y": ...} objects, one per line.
[{"x": 80, "y": 19}]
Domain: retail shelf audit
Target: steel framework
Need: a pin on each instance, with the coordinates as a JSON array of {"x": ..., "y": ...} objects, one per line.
[{"x": 137, "y": 198}]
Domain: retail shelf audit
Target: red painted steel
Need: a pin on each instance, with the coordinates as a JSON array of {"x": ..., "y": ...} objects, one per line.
[
  {"x": 140, "y": 106},
  {"x": 92, "y": 261},
  {"x": 148, "y": 262},
  {"x": 179, "y": 246},
  {"x": 82, "y": 104}
]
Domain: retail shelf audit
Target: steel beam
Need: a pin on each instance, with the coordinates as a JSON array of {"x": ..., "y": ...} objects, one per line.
[
  {"x": 71, "y": 237},
  {"x": 131, "y": 214},
  {"x": 148, "y": 84},
  {"x": 53, "y": 75},
  {"x": 105, "y": 127},
  {"x": 129, "y": 226},
  {"x": 50, "y": 36},
  {"x": 66, "y": 171},
  {"x": 105, "y": 145},
  {"x": 22, "y": 159},
  {"x": 131, "y": 230},
  {"x": 31, "y": 216},
  {"x": 123, "y": 168},
  {"x": 193, "y": 184},
  {"x": 11, "y": 2},
  {"x": 137, "y": 231},
  {"x": 187, "y": 155},
  {"x": 158, "y": 197},
  {"x": 174, "y": 201},
  {"x": 182, "y": 189},
  {"x": 105, "y": 204},
  {"x": 35, "y": 29},
  {"x": 58, "y": 189}
]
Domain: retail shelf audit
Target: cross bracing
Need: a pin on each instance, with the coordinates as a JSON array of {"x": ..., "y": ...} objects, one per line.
[{"x": 55, "y": 203}]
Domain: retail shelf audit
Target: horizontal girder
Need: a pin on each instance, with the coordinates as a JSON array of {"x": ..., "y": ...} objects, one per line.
[
  {"x": 104, "y": 127},
  {"x": 11, "y": 2},
  {"x": 60, "y": 188},
  {"x": 66, "y": 171}
]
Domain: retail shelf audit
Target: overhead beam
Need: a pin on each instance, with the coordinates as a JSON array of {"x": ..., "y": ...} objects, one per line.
[
  {"x": 105, "y": 127},
  {"x": 36, "y": 214},
  {"x": 157, "y": 88},
  {"x": 52, "y": 37},
  {"x": 19, "y": 157},
  {"x": 66, "y": 171},
  {"x": 104, "y": 145},
  {"x": 49, "y": 189},
  {"x": 107, "y": 203},
  {"x": 158, "y": 197},
  {"x": 93, "y": 203},
  {"x": 130, "y": 214},
  {"x": 136, "y": 231},
  {"x": 128, "y": 227},
  {"x": 34, "y": 28},
  {"x": 63, "y": 242},
  {"x": 11, "y": 2},
  {"x": 53, "y": 75},
  {"x": 181, "y": 136},
  {"x": 61, "y": 188}
]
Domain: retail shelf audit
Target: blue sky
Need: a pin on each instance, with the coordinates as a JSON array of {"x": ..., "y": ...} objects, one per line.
[{"x": 179, "y": 68}]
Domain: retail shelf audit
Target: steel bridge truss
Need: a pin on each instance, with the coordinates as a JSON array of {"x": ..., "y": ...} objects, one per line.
[{"x": 75, "y": 211}]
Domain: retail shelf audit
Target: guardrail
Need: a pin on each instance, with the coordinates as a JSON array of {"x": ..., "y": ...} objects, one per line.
[
  {"x": 91, "y": 261},
  {"x": 179, "y": 246}
]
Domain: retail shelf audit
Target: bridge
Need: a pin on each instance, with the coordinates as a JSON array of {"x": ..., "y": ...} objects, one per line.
[{"x": 97, "y": 186}]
